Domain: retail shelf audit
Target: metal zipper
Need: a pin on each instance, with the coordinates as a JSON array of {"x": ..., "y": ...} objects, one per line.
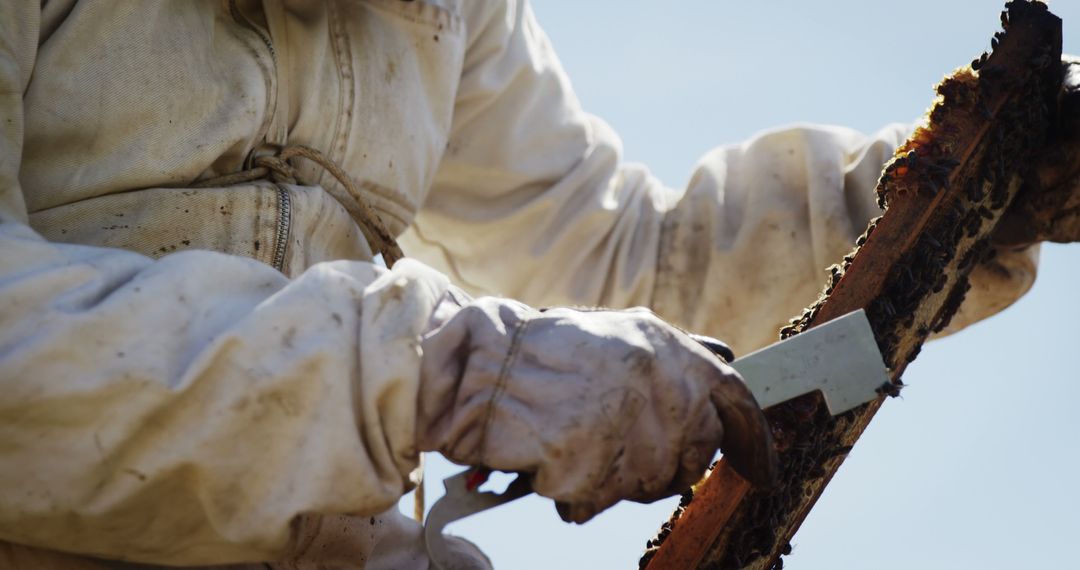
[
  {"x": 284, "y": 225},
  {"x": 234, "y": 11}
]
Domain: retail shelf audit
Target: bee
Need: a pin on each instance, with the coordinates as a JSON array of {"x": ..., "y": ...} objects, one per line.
[
  {"x": 979, "y": 61},
  {"x": 909, "y": 320},
  {"x": 888, "y": 342},
  {"x": 840, "y": 450},
  {"x": 908, "y": 274},
  {"x": 835, "y": 273},
  {"x": 940, "y": 283},
  {"x": 914, "y": 354},
  {"x": 947, "y": 253},
  {"x": 948, "y": 163},
  {"x": 973, "y": 225},
  {"x": 929, "y": 187},
  {"x": 891, "y": 389},
  {"x": 903, "y": 279},
  {"x": 957, "y": 233},
  {"x": 941, "y": 323},
  {"x": 913, "y": 160},
  {"x": 974, "y": 191},
  {"x": 998, "y": 195},
  {"x": 887, "y": 307},
  {"x": 967, "y": 261}
]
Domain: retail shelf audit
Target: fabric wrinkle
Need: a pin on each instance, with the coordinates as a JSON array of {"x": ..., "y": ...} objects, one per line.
[
  {"x": 175, "y": 259},
  {"x": 499, "y": 389}
]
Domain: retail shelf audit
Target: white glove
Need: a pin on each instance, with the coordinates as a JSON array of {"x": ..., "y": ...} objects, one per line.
[{"x": 596, "y": 406}]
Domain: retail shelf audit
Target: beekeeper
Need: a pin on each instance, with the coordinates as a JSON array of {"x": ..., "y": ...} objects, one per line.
[{"x": 200, "y": 363}]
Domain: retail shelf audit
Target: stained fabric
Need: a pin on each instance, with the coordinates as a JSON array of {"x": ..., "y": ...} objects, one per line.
[{"x": 197, "y": 376}]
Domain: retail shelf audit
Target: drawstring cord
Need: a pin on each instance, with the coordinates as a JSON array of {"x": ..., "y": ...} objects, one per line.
[{"x": 278, "y": 169}]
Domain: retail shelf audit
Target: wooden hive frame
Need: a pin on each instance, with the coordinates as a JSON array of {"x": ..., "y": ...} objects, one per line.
[{"x": 944, "y": 191}]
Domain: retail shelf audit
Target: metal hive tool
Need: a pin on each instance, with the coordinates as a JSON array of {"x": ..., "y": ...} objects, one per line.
[{"x": 945, "y": 191}]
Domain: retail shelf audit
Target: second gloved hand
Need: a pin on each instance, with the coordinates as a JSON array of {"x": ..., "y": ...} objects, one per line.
[
  {"x": 597, "y": 406},
  {"x": 1048, "y": 206}
]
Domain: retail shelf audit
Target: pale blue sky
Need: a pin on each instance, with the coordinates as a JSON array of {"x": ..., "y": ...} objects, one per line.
[{"x": 976, "y": 466}]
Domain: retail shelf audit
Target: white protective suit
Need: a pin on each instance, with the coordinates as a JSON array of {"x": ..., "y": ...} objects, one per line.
[{"x": 216, "y": 374}]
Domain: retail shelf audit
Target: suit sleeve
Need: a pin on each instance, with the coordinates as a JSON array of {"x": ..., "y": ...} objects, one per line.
[
  {"x": 183, "y": 411},
  {"x": 534, "y": 201}
]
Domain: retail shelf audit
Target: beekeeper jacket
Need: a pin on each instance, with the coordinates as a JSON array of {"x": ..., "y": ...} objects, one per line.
[{"x": 217, "y": 375}]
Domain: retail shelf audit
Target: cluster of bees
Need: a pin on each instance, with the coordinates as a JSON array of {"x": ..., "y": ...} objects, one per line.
[
  {"x": 926, "y": 166},
  {"x": 964, "y": 190}
]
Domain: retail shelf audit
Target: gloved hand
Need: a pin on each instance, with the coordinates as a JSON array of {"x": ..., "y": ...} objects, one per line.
[
  {"x": 1048, "y": 206},
  {"x": 596, "y": 406}
]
